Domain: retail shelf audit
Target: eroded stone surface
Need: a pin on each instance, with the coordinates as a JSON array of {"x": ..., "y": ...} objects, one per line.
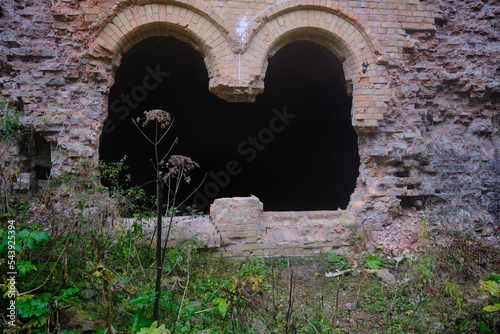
[
  {"x": 183, "y": 230},
  {"x": 246, "y": 229}
]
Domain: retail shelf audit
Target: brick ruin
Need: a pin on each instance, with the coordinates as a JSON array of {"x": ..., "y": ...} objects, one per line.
[{"x": 423, "y": 75}]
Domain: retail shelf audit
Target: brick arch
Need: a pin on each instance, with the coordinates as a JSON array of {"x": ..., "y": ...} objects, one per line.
[
  {"x": 319, "y": 36},
  {"x": 136, "y": 23},
  {"x": 196, "y": 6},
  {"x": 318, "y": 5},
  {"x": 345, "y": 39}
]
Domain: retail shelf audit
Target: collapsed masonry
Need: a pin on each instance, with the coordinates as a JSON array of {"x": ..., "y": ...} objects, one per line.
[
  {"x": 239, "y": 227},
  {"x": 423, "y": 75},
  {"x": 249, "y": 230}
]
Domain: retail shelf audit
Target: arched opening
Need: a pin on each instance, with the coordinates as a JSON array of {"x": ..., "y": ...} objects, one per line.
[{"x": 294, "y": 148}]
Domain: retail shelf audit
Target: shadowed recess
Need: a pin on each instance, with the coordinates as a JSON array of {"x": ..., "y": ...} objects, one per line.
[{"x": 294, "y": 148}]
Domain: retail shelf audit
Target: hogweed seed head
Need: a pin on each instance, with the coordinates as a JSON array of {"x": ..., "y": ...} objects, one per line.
[
  {"x": 161, "y": 116},
  {"x": 181, "y": 164}
]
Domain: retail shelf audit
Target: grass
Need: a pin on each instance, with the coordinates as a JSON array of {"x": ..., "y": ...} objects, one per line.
[{"x": 233, "y": 296}]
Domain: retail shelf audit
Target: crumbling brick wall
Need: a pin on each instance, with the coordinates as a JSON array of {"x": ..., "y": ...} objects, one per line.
[
  {"x": 246, "y": 229},
  {"x": 423, "y": 76},
  {"x": 461, "y": 110},
  {"x": 438, "y": 144}
]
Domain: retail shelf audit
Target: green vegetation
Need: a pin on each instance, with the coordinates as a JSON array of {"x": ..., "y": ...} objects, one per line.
[
  {"x": 373, "y": 261},
  {"x": 9, "y": 121},
  {"x": 73, "y": 271}
]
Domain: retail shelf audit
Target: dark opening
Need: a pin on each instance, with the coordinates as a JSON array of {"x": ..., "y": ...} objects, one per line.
[
  {"x": 41, "y": 172},
  {"x": 43, "y": 161},
  {"x": 294, "y": 148},
  {"x": 403, "y": 173},
  {"x": 37, "y": 149},
  {"x": 407, "y": 202}
]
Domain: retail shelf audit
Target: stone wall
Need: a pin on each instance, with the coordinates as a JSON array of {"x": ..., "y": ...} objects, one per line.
[
  {"x": 437, "y": 146},
  {"x": 423, "y": 75},
  {"x": 247, "y": 230}
]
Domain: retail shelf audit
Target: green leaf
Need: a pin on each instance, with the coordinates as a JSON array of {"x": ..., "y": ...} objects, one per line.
[
  {"x": 40, "y": 236},
  {"x": 39, "y": 321},
  {"x": 4, "y": 245},
  {"x": 373, "y": 261},
  {"x": 332, "y": 257},
  {"x": 492, "y": 308},
  {"x": 485, "y": 329},
  {"x": 494, "y": 277},
  {"x": 24, "y": 267},
  {"x": 68, "y": 292},
  {"x": 154, "y": 329},
  {"x": 142, "y": 299},
  {"x": 29, "y": 243},
  {"x": 138, "y": 321},
  {"x": 491, "y": 286},
  {"x": 33, "y": 306},
  {"x": 30, "y": 237},
  {"x": 24, "y": 233},
  {"x": 222, "y": 308},
  {"x": 221, "y": 305}
]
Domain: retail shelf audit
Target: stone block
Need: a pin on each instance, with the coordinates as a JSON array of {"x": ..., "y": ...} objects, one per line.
[
  {"x": 25, "y": 79},
  {"x": 57, "y": 81},
  {"x": 49, "y": 53},
  {"x": 22, "y": 52}
]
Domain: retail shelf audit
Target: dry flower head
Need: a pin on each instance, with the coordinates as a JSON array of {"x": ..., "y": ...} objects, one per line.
[
  {"x": 177, "y": 164},
  {"x": 161, "y": 116}
]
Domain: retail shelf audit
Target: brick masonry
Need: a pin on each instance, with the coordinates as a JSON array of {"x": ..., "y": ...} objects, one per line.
[
  {"x": 423, "y": 74},
  {"x": 246, "y": 230}
]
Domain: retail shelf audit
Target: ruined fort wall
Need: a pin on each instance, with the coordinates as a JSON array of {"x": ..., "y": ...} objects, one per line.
[
  {"x": 438, "y": 145},
  {"x": 425, "y": 84}
]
